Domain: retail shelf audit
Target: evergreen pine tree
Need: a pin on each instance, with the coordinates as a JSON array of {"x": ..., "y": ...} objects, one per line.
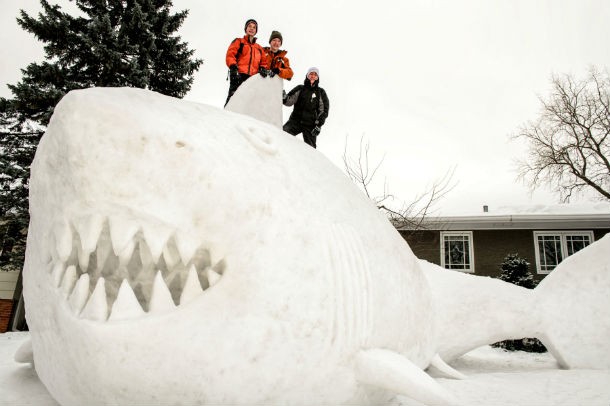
[
  {"x": 110, "y": 43},
  {"x": 17, "y": 144},
  {"x": 516, "y": 270}
]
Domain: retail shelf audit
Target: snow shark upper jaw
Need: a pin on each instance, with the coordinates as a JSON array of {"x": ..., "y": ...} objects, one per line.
[{"x": 109, "y": 268}]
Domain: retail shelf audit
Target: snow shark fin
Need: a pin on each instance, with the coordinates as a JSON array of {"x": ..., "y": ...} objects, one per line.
[
  {"x": 441, "y": 366},
  {"x": 250, "y": 94},
  {"x": 395, "y": 373},
  {"x": 25, "y": 354}
]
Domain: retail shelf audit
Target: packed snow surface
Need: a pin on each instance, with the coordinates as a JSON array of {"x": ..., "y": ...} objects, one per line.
[{"x": 494, "y": 378}]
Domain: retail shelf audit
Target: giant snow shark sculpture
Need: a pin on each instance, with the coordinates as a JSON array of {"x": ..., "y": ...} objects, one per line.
[
  {"x": 182, "y": 254},
  {"x": 195, "y": 256}
]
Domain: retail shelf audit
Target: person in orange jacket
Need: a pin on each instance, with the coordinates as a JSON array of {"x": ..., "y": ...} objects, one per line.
[
  {"x": 245, "y": 58},
  {"x": 275, "y": 58}
]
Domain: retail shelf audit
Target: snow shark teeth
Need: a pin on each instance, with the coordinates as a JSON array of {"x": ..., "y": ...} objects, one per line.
[
  {"x": 212, "y": 276},
  {"x": 171, "y": 255},
  {"x": 126, "y": 305},
  {"x": 122, "y": 231},
  {"x": 103, "y": 251},
  {"x": 68, "y": 281},
  {"x": 157, "y": 267},
  {"x": 192, "y": 287},
  {"x": 96, "y": 308},
  {"x": 89, "y": 229},
  {"x": 83, "y": 258},
  {"x": 146, "y": 257},
  {"x": 126, "y": 253},
  {"x": 80, "y": 294},
  {"x": 63, "y": 240},
  {"x": 93, "y": 242},
  {"x": 160, "y": 298},
  {"x": 57, "y": 273},
  {"x": 156, "y": 237},
  {"x": 186, "y": 245}
]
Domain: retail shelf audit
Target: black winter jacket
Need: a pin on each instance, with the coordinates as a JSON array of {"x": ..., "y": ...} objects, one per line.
[{"x": 310, "y": 104}]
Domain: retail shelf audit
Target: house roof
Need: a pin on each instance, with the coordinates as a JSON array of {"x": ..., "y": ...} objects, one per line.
[{"x": 556, "y": 217}]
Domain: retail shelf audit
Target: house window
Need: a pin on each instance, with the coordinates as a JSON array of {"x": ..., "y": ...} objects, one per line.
[
  {"x": 456, "y": 251},
  {"x": 553, "y": 246}
]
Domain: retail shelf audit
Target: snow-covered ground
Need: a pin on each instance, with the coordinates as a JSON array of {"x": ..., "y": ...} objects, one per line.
[{"x": 495, "y": 378}]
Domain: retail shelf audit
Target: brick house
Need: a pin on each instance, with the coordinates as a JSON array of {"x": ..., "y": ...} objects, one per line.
[
  {"x": 479, "y": 243},
  {"x": 8, "y": 287}
]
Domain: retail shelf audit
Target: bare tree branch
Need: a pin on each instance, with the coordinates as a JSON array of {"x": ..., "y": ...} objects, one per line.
[
  {"x": 411, "y": 215},
  {"x": 360, "y": 172},
  {"x": 568, "y": 145}
]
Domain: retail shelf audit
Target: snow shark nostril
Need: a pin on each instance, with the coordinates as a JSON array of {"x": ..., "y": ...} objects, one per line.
[{"x": 259, "y": 139}]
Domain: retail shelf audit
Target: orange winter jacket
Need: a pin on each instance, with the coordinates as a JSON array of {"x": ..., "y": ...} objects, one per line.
[
  {"x": 249, "y": 59},
  {"x": 278, "y": 60}
]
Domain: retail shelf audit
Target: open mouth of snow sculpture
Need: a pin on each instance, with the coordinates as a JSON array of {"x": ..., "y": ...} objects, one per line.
[{"x": 113, "y": 268}]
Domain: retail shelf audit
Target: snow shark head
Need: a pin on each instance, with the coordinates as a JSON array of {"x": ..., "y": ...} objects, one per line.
[{"x": 184, "y": 254}]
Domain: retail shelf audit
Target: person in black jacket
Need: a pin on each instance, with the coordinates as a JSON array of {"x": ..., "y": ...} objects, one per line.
[{"x": 310, "y": 108}]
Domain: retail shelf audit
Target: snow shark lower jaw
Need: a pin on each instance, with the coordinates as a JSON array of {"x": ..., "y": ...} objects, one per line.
[{"x": 113, "y": 268}]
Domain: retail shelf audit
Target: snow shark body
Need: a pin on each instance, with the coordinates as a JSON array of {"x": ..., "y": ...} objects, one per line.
[{"x": 182, "y": 254}]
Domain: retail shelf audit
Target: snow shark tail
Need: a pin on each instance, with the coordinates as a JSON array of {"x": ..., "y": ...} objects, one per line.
[
  {"x": 574, "y": 307},
  {"x": 569, "y": 311}
]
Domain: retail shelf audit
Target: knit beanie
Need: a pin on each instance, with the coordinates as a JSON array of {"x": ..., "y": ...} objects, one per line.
[
  {"x": 313, "y": 69},
  {"x": 276, "y": 34},
  {"x": 251, "y": 21}
]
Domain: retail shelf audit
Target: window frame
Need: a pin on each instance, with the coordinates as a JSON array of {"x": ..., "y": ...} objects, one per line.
[
  {"x": 467, "y": 234},
  {"x": 562, "y": 234}
]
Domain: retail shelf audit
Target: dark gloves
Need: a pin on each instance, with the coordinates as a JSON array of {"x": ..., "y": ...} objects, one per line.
[
  {"x": 233, "y": 72},
  {"x": 274, "y": 71},
  {"x": 263, "y": 72},
  {"x": 316, "y": 131}
]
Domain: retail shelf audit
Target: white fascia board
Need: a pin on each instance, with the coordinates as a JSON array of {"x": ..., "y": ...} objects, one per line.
[{"x": 518, "y": 221}]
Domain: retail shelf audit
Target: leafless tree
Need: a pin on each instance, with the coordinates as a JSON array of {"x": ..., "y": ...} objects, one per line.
[
  {"x": 407, "y": 215},
  {"x": 569, "y": 144}
]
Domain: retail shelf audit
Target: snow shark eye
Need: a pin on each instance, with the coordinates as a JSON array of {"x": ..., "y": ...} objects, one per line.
[
  {"x": 258, "y": 138},
  {"x": 115, "y": 268}
]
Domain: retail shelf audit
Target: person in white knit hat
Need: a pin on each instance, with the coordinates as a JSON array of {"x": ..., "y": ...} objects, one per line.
[{"x": 310, "y": 108}]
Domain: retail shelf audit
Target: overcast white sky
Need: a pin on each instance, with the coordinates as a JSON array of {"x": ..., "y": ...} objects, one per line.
[{"x": 431, "y": 84}]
